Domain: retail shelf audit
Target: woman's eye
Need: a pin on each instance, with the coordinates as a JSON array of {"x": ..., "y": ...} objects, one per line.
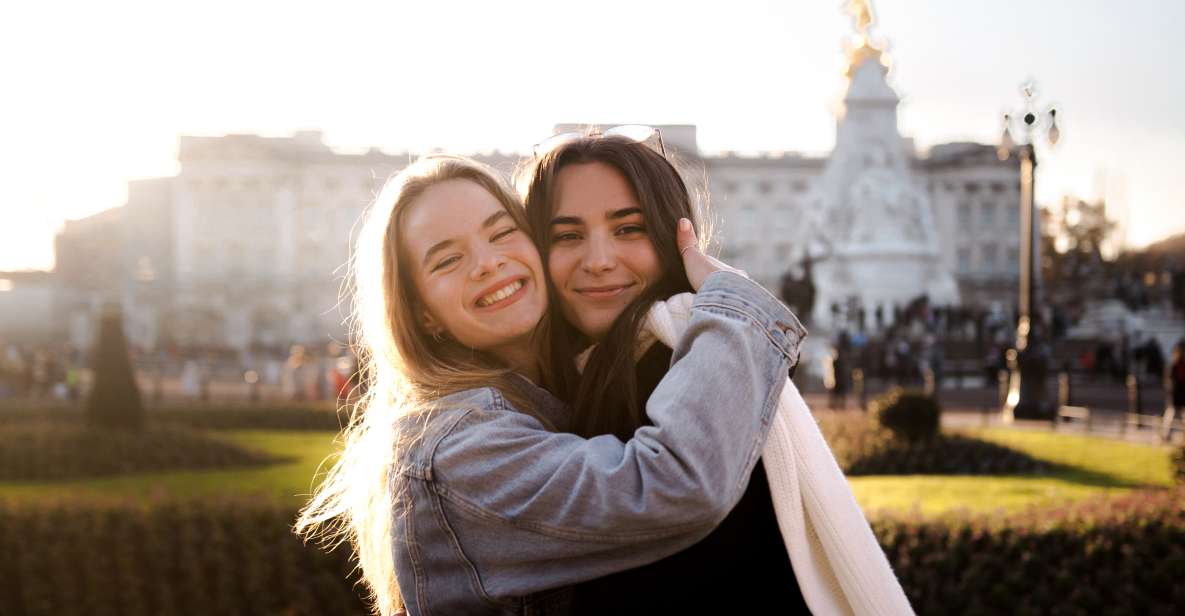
[
  {"x": 447, "y": 261},
  {"x": 503, "y": 233},
  {"x": 565, "y": 237},
  {"x": 630, "y": 229}
]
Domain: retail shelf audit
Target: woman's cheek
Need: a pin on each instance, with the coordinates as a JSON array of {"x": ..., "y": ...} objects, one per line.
[{"x": 557, "y": 269}]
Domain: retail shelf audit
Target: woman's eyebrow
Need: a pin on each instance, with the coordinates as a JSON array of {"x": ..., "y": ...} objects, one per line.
[
  {"x": 437, "y": 247},
  {"x": 494, "y": 218},
  {"x": 623, "y": 213},
  {"x": 485, "y": 224},
  {"x": 567, "y": 220}
]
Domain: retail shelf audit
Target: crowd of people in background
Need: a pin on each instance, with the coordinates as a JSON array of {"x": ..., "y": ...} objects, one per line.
[
  {"x": 40, "y": 372},
  {"x": 910, "y": 344},
  {"x": 902, "y": 346},
  {"x": 296, "y": 373}
]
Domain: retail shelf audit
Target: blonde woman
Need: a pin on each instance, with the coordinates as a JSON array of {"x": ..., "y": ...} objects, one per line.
[{"x": 461, "y": 486}]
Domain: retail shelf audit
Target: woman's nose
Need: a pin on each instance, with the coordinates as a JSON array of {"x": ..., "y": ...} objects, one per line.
[
  {"x": 485, "y": 263},
  {"x": 600, "y": 257}
]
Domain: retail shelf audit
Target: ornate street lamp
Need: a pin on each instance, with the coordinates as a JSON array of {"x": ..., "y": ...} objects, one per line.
[{"x": 1028, "y": 363}]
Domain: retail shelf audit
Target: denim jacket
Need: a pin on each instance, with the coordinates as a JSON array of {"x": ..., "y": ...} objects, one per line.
[{"x": 494, "y": 508}]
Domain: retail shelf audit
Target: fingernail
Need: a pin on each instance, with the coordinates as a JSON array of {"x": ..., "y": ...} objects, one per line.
[{"x": 684, "y": 224}]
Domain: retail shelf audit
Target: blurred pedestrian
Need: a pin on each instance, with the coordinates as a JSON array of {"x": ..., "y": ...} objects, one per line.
[
  {"x": 838, "y": 381},
  {"x": 1177, "y": 377}
]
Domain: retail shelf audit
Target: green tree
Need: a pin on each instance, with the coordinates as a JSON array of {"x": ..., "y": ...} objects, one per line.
[
  {"x": 114, "y": 400},
  {"x": 1075, "y": 264}
]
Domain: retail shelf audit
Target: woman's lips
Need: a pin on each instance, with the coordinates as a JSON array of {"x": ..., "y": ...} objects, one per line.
[
  {"x": 603, "y": 292},
  {"x": 508, "y": 300}
]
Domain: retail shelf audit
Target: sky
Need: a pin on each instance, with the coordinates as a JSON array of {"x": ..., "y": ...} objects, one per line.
[{"x": 96, "y": 94}]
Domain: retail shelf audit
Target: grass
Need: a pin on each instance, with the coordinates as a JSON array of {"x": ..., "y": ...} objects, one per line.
[
  {"x": 289, "y": 482},
  {"x": 1084, "y": 466}
]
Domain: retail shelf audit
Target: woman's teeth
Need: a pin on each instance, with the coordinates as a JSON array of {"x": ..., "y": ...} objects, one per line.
[{"x": 500, "y": 294}]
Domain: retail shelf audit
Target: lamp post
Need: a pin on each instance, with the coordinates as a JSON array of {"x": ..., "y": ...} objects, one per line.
[{"x": 1028, "y": 362}]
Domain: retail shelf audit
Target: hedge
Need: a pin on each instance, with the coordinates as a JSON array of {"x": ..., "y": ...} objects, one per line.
[
  {"x": 909, "y": 414},
  {"x": 264, "y": 416},
  {"x": 38, "y": 451},
  {"x": 172, "y": 557},
  {"x": 1118, "y": 555}
]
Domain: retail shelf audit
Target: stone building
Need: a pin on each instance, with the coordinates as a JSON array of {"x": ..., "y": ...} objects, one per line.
[{"x": 247, "y": 246}]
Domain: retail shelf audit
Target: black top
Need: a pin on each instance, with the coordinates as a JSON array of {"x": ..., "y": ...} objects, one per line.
[{"x": 741, "y": 567}]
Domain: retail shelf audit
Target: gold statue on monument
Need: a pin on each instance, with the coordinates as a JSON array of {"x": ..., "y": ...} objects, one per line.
[{"x": 861, "y": 47}]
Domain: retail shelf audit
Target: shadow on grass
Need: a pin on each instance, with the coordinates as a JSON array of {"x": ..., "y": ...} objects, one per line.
[
  {"x": 1093, "y": 478},
  {"x": 877, "y": 453}
]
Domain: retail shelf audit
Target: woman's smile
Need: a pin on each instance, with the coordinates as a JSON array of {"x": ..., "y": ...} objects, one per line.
[
  {"x": 502, "y": 294},
  {"x": 603, "y": 291}
]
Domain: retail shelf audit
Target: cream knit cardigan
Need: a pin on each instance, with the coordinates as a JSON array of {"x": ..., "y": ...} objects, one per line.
[{"x": 840, "y": 567}]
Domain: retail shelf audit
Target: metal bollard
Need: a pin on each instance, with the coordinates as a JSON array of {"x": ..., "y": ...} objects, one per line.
[
  {"x": 1170, "y": 411},
  {"x": 1134, "y": 403},
  {"x": 158, "y": 385},
  {"x": 858, "y": 386},
  {"x": 1063, "y": 389},
  {"x": 251, "y": 378},
  {"x": 1002, "y": 380}
]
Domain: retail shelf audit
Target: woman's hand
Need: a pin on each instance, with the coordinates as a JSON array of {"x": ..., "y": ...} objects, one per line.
[{"x": 697, "y": 264}]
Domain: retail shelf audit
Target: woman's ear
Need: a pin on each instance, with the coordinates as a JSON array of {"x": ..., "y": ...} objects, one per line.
[{"x": 435, "y": 329}]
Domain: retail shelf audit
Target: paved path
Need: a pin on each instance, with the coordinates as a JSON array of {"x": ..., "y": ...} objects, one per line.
[{"x": 1106, "y": 423}]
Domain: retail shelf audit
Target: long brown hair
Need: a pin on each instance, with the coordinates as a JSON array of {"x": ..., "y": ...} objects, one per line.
[
  {"x": 604, "y": 398},
  {"x": 405, "y": 370}
]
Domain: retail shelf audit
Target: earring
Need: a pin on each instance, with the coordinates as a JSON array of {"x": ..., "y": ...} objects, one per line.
[{"x": 438, "y": 335}]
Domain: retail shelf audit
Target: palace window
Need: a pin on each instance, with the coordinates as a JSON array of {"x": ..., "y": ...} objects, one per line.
[
  {"x": 988, "y": 214},
  {"x": 964, "y": 260},
  {"x": 965, "y": 216},
  {"x": 989, "y": 252}
]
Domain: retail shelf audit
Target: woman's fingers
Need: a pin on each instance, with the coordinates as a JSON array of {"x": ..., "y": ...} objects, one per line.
[{"x": 697, "y": 264}]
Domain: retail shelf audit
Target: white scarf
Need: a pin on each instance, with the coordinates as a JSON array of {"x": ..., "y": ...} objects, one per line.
[{"x": 839, "y": 565}]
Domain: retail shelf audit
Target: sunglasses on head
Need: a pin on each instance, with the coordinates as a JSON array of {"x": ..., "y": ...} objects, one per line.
[{"x": 638, "y": 133}]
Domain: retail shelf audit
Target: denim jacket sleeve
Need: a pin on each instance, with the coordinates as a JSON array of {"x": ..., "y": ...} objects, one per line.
[{"x": 532, "y": 509}]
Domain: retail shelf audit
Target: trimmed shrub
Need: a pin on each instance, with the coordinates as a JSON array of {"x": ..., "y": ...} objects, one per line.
[
  {"x": 863, "y": 448},
  {"x": 256, "y": 417},
  {"x": 263, "y": 416},
  {"x": 1105, "y": 555},
  {"x": 237, "y": 556},
  {"x": 908, "y": 414},
  {"x": 225, "y": 556},
  {"x": 114, "y": 400},
  {"x": 49, "y": 451}
]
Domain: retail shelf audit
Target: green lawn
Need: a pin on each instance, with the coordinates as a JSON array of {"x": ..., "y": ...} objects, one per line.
[
  {"x": 288, "y": 481},
  {"x": 1086, "y": 466}
]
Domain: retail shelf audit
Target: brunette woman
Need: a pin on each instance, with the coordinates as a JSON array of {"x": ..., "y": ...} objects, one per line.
[{"x": 604, "y": 212}]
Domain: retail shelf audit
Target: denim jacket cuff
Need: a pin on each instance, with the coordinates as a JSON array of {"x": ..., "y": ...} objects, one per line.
[{"x": 731, "y": 291}]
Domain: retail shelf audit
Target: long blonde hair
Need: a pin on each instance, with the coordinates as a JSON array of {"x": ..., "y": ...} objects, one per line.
[{"x": 404, "y": 369}]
